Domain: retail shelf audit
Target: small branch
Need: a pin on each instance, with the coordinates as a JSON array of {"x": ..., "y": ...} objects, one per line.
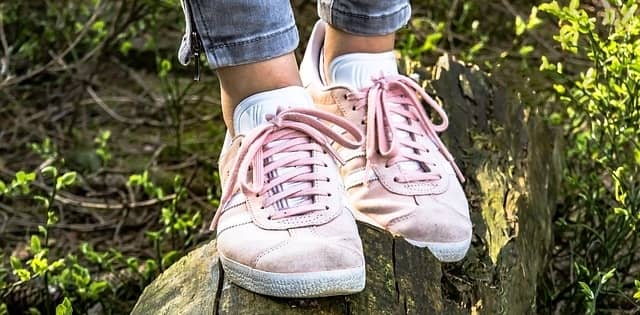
[{"x": 115, "y": 115}]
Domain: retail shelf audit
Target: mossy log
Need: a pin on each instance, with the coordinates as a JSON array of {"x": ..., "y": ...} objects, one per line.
[{"x": 507, "y": 153}]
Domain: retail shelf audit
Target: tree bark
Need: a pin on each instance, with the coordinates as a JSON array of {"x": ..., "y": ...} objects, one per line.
[{"x": 509, "y": 156}]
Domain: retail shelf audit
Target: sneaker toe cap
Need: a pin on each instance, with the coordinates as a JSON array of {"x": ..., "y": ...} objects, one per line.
[
  {"x": 309, "y": 255},
  {"x": 436, "y": 222}
]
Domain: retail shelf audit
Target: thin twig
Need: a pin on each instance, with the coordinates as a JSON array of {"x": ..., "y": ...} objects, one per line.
[
  {"x": 110, "y": 111},
  {"x": 118, "y": 117}
]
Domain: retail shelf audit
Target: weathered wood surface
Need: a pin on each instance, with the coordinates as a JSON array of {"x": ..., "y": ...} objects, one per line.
[{"x": 507, "y": 155}]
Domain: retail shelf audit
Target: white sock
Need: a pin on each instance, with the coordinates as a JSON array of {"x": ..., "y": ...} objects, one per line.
[
  {"x": 253, "y": 110},
  {"x": 357, "y": 69}
]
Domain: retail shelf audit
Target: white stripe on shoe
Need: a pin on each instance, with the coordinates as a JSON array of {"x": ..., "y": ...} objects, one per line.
[{"x": 357, "y": 177}]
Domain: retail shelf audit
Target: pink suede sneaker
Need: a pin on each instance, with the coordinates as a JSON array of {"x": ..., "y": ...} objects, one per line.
[
  {"x": 402, "y": 179},
  {"x": 283, "y": 226}
]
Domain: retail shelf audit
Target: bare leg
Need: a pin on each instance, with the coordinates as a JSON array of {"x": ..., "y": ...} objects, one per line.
[{"x": 239, "y": 82}]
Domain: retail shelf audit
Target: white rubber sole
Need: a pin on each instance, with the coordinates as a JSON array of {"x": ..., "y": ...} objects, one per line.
[
  {"x": 295, "y": 285},
  {"x": 443, "y": 251}
]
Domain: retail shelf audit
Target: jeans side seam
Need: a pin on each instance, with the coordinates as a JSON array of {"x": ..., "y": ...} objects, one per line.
[{"x": 206, "y": 29}]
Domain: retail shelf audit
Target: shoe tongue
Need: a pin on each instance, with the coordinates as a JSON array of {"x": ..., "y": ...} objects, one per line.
[
  {"x": 358, "y": 69},
  {"x": 253, "y": 110}
]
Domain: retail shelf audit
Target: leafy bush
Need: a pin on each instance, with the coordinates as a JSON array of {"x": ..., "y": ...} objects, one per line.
[{"x": 600, "y": 111}]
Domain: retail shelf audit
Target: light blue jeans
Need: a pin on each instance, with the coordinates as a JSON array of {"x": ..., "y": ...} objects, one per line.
[{"x": 233, "y": 32}]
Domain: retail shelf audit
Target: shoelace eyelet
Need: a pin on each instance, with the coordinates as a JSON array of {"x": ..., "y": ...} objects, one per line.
[{"x": 395, "y": 179}]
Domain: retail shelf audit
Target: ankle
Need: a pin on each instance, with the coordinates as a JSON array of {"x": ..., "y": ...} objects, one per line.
[
  {"x": 239, "y": 82},
  {"x": 338, "y": 43}
]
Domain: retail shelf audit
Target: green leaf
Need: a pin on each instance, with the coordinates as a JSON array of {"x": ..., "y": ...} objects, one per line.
[
  {"x": 56, "y": 265},
  {"x": 44, "y": 201},
  {"x": 98, "y": 287},
  {"x": 98, "y": 25},
  {"x": 560, "y": 89},
  {"x": 35, "y": 244},
  {"x": 534, "y": 21},
  {"x": 169, "y": 258},
  {"x": 23, "y": 274},
  {"x": 608, "y": 276},
  {"x": 525, "y": 50},
  {"x": 64, "y": 308},
  {"x": 50, "y": 170},
  {"x": 15, "y": 262},
  {"x": 475, "y": 48},
  {"x": 51, "y": 218},
  {"x": 520, "y": 26},
  {"x": 574, "y": 4},
  {"x": 39, "y": 264},
  {"x": 555, "y": 119},
  {"x": 586, "y": 290},
  {"x": 552, "y": 8},
  {"x": 42, "y": 230},
  {"x": 25, "y": 178},
  {"x": 66, "y": 179}
]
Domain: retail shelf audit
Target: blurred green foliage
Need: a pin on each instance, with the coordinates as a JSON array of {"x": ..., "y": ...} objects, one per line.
[{"x": 600, "y": 111}]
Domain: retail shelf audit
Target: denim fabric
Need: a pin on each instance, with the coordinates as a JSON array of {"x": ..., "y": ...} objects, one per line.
[
  {"x": 234, "y": 32},
  {"x": 365, "y": 17}
]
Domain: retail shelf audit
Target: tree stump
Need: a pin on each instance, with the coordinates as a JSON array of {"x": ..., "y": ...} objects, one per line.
[{"x": 507, "y": 154}]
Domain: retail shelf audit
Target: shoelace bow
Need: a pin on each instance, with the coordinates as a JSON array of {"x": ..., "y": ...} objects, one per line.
[
  {"x": 295, "y": 131},
  {"x": 398, "y": 94}
]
